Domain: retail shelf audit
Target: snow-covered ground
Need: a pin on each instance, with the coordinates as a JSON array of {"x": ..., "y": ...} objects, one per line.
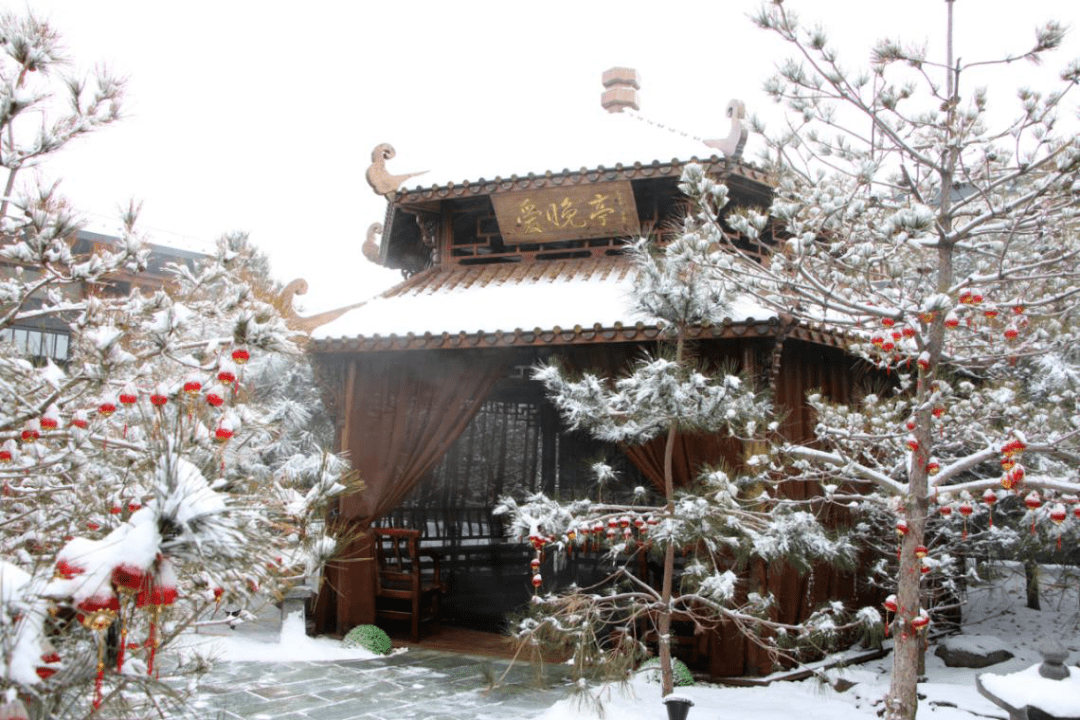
[
  {"x": 265, "y": 639},
  {"x": 995, "y": 610}
]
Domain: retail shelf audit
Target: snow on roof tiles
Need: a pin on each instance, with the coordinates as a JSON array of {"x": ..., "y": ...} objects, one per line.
[{"x": 511, "y": 303}]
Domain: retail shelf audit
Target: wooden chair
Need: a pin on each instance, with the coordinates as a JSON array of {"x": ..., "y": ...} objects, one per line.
[{"x": 403, "y": 589}]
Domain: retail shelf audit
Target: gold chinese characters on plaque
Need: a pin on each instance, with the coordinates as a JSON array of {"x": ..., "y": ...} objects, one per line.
[{"x": 570, "y": 213}]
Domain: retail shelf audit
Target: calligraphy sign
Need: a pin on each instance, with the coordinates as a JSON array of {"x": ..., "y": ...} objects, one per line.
[{"x": 567, "y": 213}]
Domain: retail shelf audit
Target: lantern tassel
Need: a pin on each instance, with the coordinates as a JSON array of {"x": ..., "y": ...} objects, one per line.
[
  {"x": 100, "y": 678},
  {"x": 123, "y": 644},
  {"x": 152, "y": 640}
]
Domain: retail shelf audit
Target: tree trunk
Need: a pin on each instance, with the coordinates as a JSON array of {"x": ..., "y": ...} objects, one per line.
[
  {"x": 1031, "y": 584},
  {"x": 902, "y": 702},
  {"x": 664, "y": 622}
]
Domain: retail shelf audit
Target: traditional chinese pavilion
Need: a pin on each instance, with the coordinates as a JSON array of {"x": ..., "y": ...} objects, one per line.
[{"x": 437, "y": 410}]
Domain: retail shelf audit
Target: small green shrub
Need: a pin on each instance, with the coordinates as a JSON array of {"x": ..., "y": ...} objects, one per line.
[
  {"x": 368, "y": 637},
  {"x": 679, "y": 671}
]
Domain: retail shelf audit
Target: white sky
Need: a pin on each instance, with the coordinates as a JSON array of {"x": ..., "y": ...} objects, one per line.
[{"x": 261, "y": 116}]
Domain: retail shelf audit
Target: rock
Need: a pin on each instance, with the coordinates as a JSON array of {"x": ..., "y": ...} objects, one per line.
[{"x": 972, "y": 651}]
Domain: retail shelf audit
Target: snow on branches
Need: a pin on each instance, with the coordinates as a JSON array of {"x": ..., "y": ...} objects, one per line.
[
  {"x": 721, "y": 521},
  {"x": 943, "y": 242},
  {"x": 156, "y": 462}
]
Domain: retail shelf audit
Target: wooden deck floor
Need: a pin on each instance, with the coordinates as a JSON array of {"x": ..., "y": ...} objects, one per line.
[
  {"x": 468, "y": 641},
  {"x": 463, "y": 640}
]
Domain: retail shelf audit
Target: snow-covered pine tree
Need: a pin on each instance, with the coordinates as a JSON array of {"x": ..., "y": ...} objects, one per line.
[
  {"x": 724, "y": 520},
  {"x": 152, "y": 474},
  {"x": 945, "y": 241}
]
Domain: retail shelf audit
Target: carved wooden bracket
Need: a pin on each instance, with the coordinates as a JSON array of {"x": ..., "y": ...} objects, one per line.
[{"x": 371, "y": 247}]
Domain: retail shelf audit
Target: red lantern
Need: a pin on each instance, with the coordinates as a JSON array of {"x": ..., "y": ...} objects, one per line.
[
  {"x": 67, "y": 569},
  {"x": 48, "y": 658},
  {"x": 920, "y": 621},
  {"x": 938, "y": 411},
  {"x": 159, "y": 398},
  {"x": 51, "y": 419},
  {"x": 31, "y": 431},
  {"x": 887, "y": 322},
  {"x": 128, "y": 396},
  {"x": 162, "y": 592},
  {"x": 192, "y": 385},
  {"x": 965, "y": 297},
  {"x": 946, "y": 510},
  {"x": 537, "y": 580},
  {"x": 927, "y": 316},
  {"x": 214, "y": 397},
  {"x": 98, "y": 612},
  {"x": 79, "y": 420},
  {"x": 933, "y": 468},
  {"x": 990, "y": 497},
  {"x": 106, "y": 408},
  {"x": 924, "y": 568},
  {"x": 965, "y": 510},
  {"x": 129, "y": 577},
  {"x": 908, "y": 331},
  {"x": 223, "y": 434},
  {"x": 912, "y": 444},
  {"x": 133, "y": 506},
  {"x": 1011, "y": 334},
  {"x": 226, "y": 373},
  {"x": 910, "y": 424},
  {"x": 920, "y": 551},
  {"x": 1033, "y": 503},
  {"x": 877, "y": 340},
  {"x": 1016, "y": 474},
  {"x": 7, "y": 452},
  {"x": 952, "y": 321},
  {"x": 1057, "y": 513},
  {"x": 901, "y": 527},
  {"x": 534, "y": 564},
  {"x": 890, "y": 603},
  {"x": 240, "y": 355},
  {"x": 888, "y": 346}
]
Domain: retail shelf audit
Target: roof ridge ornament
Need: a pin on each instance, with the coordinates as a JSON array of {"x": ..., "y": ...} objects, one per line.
[
  {"x": 732, "y": 146},
  {"x": 381, "y": 181},
  {"x": 305, "y": 325}
]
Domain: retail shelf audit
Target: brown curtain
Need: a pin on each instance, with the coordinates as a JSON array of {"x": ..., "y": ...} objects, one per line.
[
  {"x": 693, "y": 452},
  {"x": 402, "y": 413}
]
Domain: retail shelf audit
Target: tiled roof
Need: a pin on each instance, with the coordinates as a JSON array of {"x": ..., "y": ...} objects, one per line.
[
  {"x": 554, "y": 302},
  {"x": 620, "y": 171}
]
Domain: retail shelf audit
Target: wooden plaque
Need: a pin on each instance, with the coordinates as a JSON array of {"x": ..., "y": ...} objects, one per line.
[{"x": 567, "y": 213}]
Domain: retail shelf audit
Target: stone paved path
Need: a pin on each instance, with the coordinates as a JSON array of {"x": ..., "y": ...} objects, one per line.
[{"x": 416, "y": 684}]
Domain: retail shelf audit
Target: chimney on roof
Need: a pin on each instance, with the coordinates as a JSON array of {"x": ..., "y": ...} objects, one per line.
[{"x": 621, "y": 87}]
